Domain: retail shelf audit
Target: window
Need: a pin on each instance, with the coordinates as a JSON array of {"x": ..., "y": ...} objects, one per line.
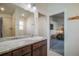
[{"x": 21, "y": 24}]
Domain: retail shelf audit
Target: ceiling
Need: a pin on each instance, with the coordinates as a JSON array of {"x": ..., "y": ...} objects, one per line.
[
  {"x": 60, "y": 15},
  {"x": 10, "y": 9}
]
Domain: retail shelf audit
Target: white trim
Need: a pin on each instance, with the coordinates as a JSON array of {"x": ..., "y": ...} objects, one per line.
[{"x": 65, "y": 30}]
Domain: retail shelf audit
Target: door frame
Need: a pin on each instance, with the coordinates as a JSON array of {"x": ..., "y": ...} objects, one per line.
[
  {"x": 65, "y": 11},
  {"x": 2, "y": 26}
]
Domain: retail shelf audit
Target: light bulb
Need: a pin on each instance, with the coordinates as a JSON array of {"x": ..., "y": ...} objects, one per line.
[
  {"x": 2, "y": 9},
  {"x": 29, "y": 5},
  {"x": 34, "y": 8}
]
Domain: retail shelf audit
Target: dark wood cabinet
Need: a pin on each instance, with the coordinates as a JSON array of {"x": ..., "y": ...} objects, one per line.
[
  {"x": 7, "y": 54},
  {"x": 44, "y": 50},
  {"x": 36, "y": 52},
  {"x": 17, "y": 52},
  {"x": 36, "y": 49},
  {"x": 22, "y": 51},
  {"x": 28, "y": 54},
  {"x": 39, "y": 48},
  {"x": 26, "y": 50}
]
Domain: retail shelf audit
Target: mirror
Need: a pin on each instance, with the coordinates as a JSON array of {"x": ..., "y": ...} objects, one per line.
[{"x": 15, "y": 21}]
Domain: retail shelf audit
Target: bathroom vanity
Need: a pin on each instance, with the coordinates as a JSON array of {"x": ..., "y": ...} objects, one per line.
[{"x": 24, "y": 47}]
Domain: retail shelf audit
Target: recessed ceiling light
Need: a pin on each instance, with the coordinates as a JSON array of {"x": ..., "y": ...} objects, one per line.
[
  {"x": 29, "y": 5},
  {"x": 2, "y": 9}
]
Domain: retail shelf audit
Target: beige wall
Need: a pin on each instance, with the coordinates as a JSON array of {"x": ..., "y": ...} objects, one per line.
[
  {"x": 7, "y": 25},
  {"x": 30, "y": 26},
  {"x": 13, "y": 25},
  {"x": 42, "y": 26}
]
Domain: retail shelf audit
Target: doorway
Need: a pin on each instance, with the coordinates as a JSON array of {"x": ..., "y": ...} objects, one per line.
[
  {"x": 57, "y": 33},
  {"x": 0, "y": 27}
]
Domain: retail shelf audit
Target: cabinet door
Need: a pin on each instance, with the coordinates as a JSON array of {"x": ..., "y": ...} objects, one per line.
[
  {"x": 44, "y": 51},
  {"x": 26, "y": 49},
  {"x": 17, "y": 52},
  {"x": 36, "y": 52},
  {"x": 40, "y": 48}
]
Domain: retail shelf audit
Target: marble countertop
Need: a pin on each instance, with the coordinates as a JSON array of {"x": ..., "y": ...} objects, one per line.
[{"x": 10, "y": 45}]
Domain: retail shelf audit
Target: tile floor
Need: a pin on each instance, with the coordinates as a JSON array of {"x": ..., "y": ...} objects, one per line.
[{"x": 52, "y": 53}]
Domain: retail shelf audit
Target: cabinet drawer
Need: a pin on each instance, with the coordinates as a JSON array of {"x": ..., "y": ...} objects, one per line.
[
  {"x": 26, "y": 49},
  {"x": 17, "y": 52},
  {"x": 38, "y": 44}
]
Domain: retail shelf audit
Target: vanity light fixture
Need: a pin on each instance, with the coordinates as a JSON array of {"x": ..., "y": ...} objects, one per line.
[
  {"x": 2, "y": 9},
  {"x": 32, "y": 6}
]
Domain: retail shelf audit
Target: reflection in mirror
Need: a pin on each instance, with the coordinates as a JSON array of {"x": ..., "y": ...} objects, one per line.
[{"x": 15, "y": 21}]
